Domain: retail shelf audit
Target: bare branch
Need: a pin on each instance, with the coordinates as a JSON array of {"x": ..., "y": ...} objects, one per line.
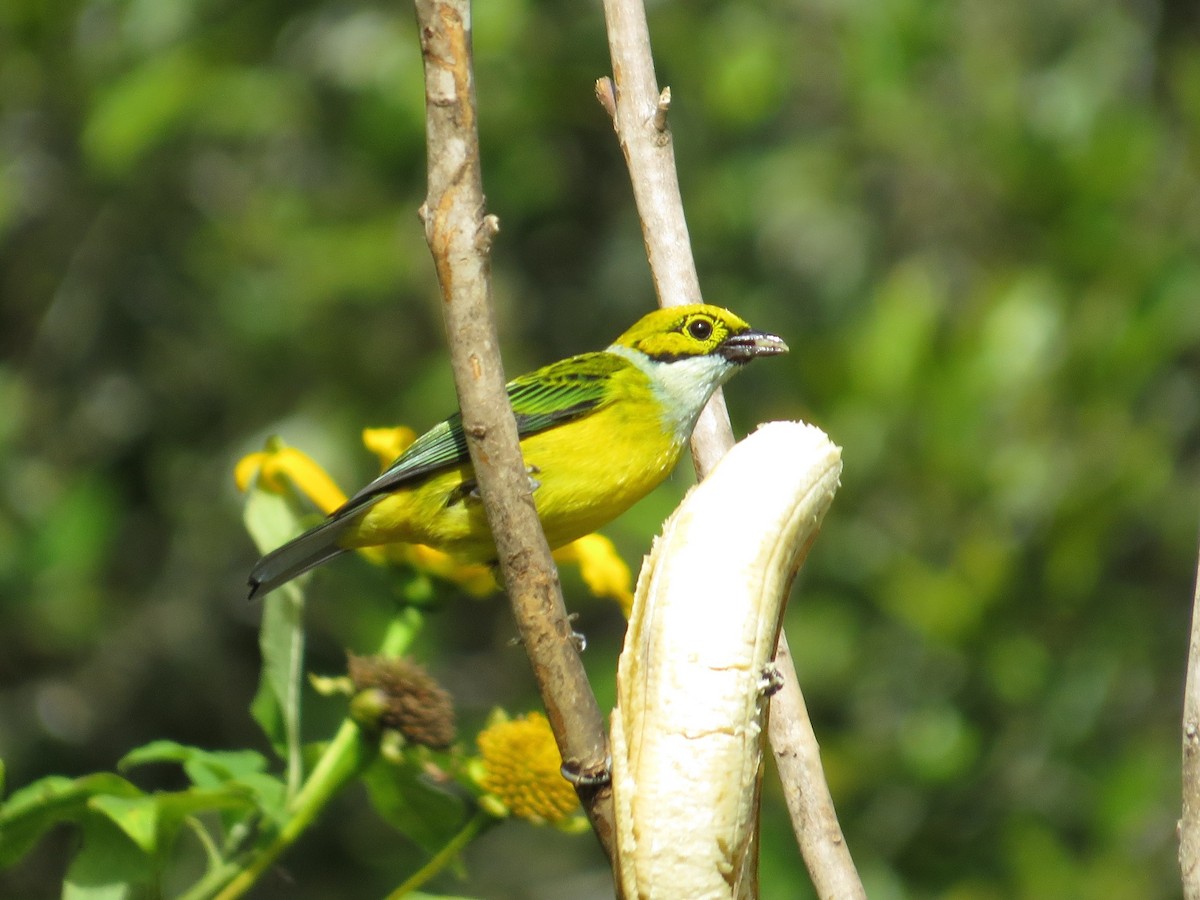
[
  {"x": 640, "y": 121},
  {"x": 460, "y": 236},
  {"x": 650, "y": 154},
  {"x": 796, "y": 750},
  {"x": 1189, "y": 824},
  {"x": 641, "y": 124}
]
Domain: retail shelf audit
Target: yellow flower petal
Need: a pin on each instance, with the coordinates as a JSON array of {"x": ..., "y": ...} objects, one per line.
[
  {"x": 601, "y": 567},
  {"x": 278, "y": 465},
  {"x": 388, "y": 443},
  {"x": 474, "y": 578},
  {"x": 247, "y": 469},
  {"x": 313, "y": 481},
  {"x": 522, "y": 769}
]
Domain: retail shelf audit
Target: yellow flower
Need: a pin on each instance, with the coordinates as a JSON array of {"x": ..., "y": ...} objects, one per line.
[
  {"x": 388, "y": 443},
  {"x": 474, "y": 578},
  {"x": 279, "y": 462},
  {"x": 602, "y": 569},
  {"x": 521, "y": 771}
]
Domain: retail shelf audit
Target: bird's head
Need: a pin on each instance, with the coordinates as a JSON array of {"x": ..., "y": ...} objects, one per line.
[
  {"x": 690, "y": 351},
  {"x": 699, "y": 330}
]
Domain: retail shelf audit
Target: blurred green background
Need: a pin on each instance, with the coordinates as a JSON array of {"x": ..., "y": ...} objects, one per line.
[{"x": 977, "y": 224}]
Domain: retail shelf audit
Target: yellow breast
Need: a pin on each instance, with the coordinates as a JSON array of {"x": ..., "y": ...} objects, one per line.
[{"x": 588, "y": 471}]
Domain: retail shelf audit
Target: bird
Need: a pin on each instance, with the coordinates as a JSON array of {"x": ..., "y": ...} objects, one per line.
[{"x": 598, "y": 432}]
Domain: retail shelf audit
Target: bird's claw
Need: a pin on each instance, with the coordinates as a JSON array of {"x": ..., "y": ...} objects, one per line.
[
  {"x": 578, "y": 638},
  {"x": 770, "y": 680},
  {"x": 471, "y": 488},
  {"x": 591, "y": 778}
]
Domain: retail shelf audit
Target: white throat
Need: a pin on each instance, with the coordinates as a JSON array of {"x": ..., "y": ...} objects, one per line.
[{"x": 682, "y": 386}]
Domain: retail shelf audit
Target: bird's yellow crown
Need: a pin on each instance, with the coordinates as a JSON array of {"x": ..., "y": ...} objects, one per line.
[{"x": 682, "y": 331}]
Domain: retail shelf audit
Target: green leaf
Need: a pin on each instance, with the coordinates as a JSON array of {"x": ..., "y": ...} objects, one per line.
[
  {"x": 235, "y": 782},
  {"x": 403, "y": 796},
  {"x": 152, "y": 820},
  {"x": 276, "y": 704},
  {"x": 110, "y": 866},
  {"x": 269, "y": 793},
  {"x": 229, "y": 778},
  {"x": 158, "y": 752},
  {"x": 267, "y": 712},
  {"x": 204, "y": 767},
  {"x": 29, "y": 812},
  {"x": 271, "y": 520},
  {"x": 136, "y": 816},
  {"x": 207, "y": 769},
  {"x": 235, "y": 801}
]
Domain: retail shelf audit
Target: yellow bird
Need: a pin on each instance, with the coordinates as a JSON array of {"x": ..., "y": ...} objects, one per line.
[{"x": 598, "y": 432}]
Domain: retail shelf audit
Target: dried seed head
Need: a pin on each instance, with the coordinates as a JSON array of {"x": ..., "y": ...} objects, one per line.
[{"x": 397, "y": 693}]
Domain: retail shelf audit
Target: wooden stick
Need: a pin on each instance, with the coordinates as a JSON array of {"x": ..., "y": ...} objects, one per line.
[
  {"x": 460, "y": 237},
  {"x": 639, "y": 114},
  {"x": 1189, "y": 824}
]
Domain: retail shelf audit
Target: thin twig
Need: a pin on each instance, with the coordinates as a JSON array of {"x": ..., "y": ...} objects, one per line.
[
  {"x": 1189, "y": 824},
  {"x": 639, "y": 114},
  {"x": 459, "y": 236},
  {"x": 808, "y": 799},
  {"x": 444, "y": 857}
]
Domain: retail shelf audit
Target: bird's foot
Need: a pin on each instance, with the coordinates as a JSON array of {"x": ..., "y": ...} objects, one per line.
[
  {"x": 470, "y": 489},
  {"x": 770, "y": 680},
  {"x": 591, "y": 777},
  {"x": 578, "y": 638}
]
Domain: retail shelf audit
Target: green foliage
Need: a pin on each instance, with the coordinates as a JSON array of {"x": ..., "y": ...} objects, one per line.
[
  {"x": 128, "y": 834},
  {"x": 129, "y": 845},
  {"x": 409, "y": 803},
  {"x": 271, "y": 520},
  {"x": 974, "y": 223}
]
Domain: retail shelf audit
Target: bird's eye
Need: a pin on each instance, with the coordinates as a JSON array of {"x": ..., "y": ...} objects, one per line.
[{"x": 700, "y": 329}]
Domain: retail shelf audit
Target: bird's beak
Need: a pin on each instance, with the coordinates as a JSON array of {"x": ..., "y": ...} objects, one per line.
[{"x": 741, "y": 348}]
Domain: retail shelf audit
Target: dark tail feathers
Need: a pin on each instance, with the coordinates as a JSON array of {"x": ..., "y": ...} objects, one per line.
[{"x": 298, "y": 555}]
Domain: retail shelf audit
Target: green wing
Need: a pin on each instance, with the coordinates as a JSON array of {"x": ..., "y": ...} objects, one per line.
[{"x": 550, "y": 396}]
